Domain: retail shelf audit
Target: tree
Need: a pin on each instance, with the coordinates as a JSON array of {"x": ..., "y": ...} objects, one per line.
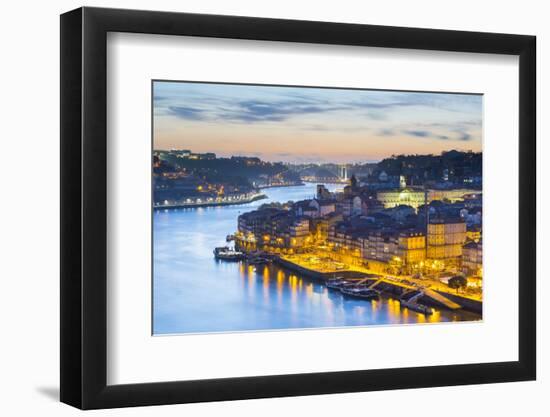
[{"x": 457, "y": 282}]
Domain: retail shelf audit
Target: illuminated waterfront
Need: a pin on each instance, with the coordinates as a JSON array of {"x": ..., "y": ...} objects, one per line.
[{"x": 195, "y": 293}]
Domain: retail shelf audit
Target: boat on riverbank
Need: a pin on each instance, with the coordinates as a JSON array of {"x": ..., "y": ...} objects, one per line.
[
  {"x": 419, "y": 308},
  {"x": 360, "y": 291},
  {"x": 226, "y": 253},
  {"x": 409, "y": 300},
  {"x": 337, "y": 283}
]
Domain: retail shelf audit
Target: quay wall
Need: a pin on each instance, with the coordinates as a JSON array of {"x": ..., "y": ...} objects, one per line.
[
  {"x": 468, "y": 304},
  {"x": 263, "y": 187},
  {"x": 301, "y": 270},
  {"x": 311, "y": 273}
]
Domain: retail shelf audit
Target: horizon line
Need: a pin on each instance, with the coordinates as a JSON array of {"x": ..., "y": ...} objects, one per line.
[{"x": 319, "y": 163}]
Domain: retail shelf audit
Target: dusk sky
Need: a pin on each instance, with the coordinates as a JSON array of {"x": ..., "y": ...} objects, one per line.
[{"x": 297, "y": 124}]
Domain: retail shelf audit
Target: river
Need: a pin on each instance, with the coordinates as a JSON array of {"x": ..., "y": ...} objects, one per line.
[{"x": 194, "y": 293}]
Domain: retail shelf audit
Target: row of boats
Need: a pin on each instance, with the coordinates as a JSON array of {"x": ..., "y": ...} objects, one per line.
[{"x": 364, "y": 291}]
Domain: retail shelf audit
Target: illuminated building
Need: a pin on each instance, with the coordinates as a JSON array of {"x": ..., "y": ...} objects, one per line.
[
  {"x": 207, "y": 155},
  {"x": 272, "y": 227},
  {"x": 411, "y": 247},
  {"x": 408, "y": 247},
  {"x": 472, "y": 260},
  {"x": 380, "y": 246},
  {"x": 403, "y": 196},
  {"x": 473, "y": 232},
  {"x": 298, "y": 233},
  {"x": 415, "y": 197},
  {"x": 325, "y": 224},
  {"x": 451, "y": 195},
  {"x": 180, "y": 153},
  {"x": 255, "y": 228},
  {"x": 445, "y": 239}
]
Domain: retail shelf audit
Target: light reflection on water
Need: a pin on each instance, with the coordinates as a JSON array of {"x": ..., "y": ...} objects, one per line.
[{"x": 195, "y": 293}]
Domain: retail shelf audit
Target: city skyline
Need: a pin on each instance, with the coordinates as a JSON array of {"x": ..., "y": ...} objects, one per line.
[{"x": 312, "y": 125}]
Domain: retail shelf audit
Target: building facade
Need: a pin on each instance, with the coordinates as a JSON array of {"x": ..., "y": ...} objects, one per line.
[
  {"x": 415, "y": 197},
  {"x": 273, "y": 228},
  {"x": 472, "y": 261},
  {"x": 445, "y": 239},
  {"x": 405, "y": 196},
  {"x": 451, "y": 195}
]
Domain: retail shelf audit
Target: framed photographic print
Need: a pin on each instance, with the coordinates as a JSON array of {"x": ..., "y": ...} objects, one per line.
[{"x": 258, "y": 207}]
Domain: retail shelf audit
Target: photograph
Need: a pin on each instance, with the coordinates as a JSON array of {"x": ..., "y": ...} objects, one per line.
[
  {"x": 293, "y": 207},
  {"x": 252, "y": 209}
]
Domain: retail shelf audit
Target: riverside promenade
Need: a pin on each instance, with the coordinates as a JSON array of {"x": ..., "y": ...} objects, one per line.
[
  {"x": 389, "y": 285},
  {"x": 231, "y": 201}
]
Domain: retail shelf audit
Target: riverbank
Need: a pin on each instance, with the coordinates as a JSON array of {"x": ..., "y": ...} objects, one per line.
[
  {"x": 301, "y": 184},
  {"x": 391, "y": 288},
  {"x": 318, "y": 275},
  {"x": 255, "y": 197},
  {"x": 333, "y": 182}
]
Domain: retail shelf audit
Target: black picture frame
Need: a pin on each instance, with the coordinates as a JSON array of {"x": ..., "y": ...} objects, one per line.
[{"x": 84, "y": 207}]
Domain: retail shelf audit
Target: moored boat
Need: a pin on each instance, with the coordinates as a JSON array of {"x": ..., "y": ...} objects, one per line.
[
  {"x": 360, "y": 292},
  {"x": 337, "y": 283},
  {"x": 226, "y": 253},
  {"x": 419, "y": 308}
]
